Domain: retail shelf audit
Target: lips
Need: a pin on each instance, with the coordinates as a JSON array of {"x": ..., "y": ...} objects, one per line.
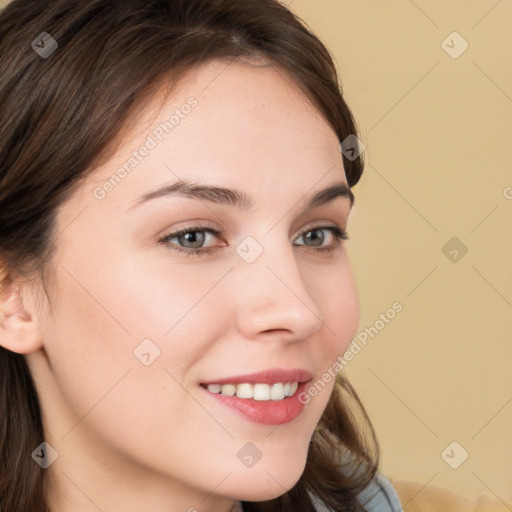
[
  {"x": 271, "y": 376},
  {"x": 269, "y": 397}
]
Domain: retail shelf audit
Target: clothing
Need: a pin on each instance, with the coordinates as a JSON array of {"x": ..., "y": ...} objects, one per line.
[
  {"x": 378, "y": 496},
  {"x": 237, "y": 507}
]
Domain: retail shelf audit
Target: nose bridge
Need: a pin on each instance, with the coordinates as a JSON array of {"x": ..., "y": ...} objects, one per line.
[{"x": 273, "y": 294}]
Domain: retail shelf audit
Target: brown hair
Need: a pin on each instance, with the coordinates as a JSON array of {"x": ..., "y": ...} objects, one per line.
[{"x": 62, "y": 114}]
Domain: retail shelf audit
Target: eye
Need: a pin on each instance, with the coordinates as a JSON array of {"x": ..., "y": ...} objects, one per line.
[
  {"x": 337, "y": 233},
  {"x": 188, "y": 235},
  {"x": 195, "y": 236}
]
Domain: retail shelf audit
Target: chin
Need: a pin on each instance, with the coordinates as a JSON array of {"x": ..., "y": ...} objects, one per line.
[{"x": 269, "y": 481}]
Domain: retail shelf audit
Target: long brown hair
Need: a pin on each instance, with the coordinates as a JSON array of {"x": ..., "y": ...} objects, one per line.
[{"x": 63, "y": 112}]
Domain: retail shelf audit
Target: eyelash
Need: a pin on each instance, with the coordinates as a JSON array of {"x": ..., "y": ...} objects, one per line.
[{"x": 339, "y": 234}]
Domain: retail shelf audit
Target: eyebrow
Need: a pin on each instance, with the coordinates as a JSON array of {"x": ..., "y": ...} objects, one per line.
[{"x": 237, "y": 198}]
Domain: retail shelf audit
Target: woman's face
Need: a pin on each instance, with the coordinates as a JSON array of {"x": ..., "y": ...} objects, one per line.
[{"x": 139, "y": 328}]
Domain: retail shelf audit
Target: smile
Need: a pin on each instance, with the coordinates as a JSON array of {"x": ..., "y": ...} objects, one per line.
[{"x": 256, "y": 391}]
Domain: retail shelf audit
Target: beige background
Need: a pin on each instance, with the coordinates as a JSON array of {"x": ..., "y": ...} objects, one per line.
[{"x": 438, "y": 133}]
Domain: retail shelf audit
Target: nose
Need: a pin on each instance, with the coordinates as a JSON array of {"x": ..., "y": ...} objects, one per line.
[{"x": 272, "y": 297}]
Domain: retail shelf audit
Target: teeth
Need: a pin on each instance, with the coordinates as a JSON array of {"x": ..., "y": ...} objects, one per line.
[
  {"x": 244, "y": 391},
  {"x": 228, "y": 389},
  {"x": 277, "y": 391},
  {"x": 261, "y": 392},
  {"x": 215, "y": 388}
]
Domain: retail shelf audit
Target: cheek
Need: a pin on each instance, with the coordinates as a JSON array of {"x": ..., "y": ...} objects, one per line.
[
  {"x": 337, "y": 299},
  {"x": 98, "y": 377},
  {"x": 339, "y": 302},
  {"x": 156, "y": 295},
  {"x": 89, "y": 347}
]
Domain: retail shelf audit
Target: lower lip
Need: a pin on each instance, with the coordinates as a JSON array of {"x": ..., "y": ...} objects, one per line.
[{"x": 265, "y": 412}]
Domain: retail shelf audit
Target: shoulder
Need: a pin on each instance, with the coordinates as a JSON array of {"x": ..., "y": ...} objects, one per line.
[{"x": 380, "y": 496}]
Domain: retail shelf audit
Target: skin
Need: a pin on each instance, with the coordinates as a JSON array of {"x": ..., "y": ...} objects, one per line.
[{"x": 132, "y": 437}]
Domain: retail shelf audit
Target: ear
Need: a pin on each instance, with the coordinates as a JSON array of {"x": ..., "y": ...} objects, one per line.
[{"x": 19, "y": 331}]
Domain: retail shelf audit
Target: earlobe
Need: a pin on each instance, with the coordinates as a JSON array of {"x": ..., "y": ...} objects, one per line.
[{"x": 19, "y": 332}]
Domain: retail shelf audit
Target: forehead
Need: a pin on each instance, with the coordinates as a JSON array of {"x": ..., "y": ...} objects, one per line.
[
  {"x": 236, "y": 97},
  {"x": 244, "y": 125}
]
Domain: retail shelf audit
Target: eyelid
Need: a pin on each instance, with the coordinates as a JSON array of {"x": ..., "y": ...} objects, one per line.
[{"x": 206, "y": 226}]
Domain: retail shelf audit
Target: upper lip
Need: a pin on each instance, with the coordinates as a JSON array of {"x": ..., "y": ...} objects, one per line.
[{"x": 270, "y": 376}]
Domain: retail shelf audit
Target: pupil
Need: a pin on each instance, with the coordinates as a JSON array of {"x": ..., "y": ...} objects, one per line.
[
  {"x": 313, "y": 237},
  {"x": 191, "y": 235}
]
